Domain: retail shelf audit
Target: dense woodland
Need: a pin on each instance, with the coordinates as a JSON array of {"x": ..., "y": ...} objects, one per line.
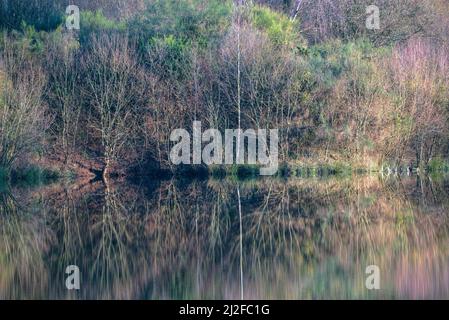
[{"x": 106, "y": 97}]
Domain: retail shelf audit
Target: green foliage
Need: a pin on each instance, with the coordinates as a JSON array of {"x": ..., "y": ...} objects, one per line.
[
  {"x": 193, "y": 21},
  {"x": 33, "y": 43},
  {"x": 245, "y": 171},
  {"x": 92, "y": 23},
  {"x": 28, "y": 40},
  {"x": 41, "y": 14},
  {"x": 217, "y": 171},
  {"x": 172, "y": 55},
  {"x": 438, "y": 164},
  {"x": 33, "y": 176},
  {"x": 332, "y": 59},
  {"x": 279, "y": 28},
  {"x": 31, "y": 40}
]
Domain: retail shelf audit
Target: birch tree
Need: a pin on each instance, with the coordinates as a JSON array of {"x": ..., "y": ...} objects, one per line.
[{"x": 115, "y": 94}]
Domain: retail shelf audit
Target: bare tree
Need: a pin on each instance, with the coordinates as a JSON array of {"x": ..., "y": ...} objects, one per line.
[
  {"x": 400, "y": 20},
  {"x": 63, "y": 93},
  {"x": 420, "y": 76},
  {"x": 23, "y": 119},
  {"x": 115, "y": 94}
]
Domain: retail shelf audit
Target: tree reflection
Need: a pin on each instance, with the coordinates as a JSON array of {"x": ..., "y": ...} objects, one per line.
[{"x": 229, "y": 239}]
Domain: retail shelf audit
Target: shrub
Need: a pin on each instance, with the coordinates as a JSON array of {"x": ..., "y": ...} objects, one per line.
[
  {"x": 346, "y": 86},
  {"x": 195, "y": 21},
  {"x": 23, "y": 119},
  {"x": 170, "y": 57},
  {"x": 345, "y": 19},
  {"x": 438, "y": 164},
  {"x": 95, "y": 22},
  {"x": 279, "y": 28},
  {"x": 41, "y": 14},
  {"x": 417, "y": 74}
]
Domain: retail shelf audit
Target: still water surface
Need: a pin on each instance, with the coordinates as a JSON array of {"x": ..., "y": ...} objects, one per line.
[{"x": 220, "y": 239}]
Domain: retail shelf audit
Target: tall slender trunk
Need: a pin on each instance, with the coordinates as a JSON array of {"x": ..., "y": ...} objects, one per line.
[
  {"x": 296, "y": 10},
  {"x": 240, "y": 242},
  {"x": 421, "y": 153},
  {"x": 238, "y": 81}
]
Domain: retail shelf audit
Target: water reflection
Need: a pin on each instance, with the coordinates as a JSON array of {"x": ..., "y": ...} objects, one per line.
[{"x": 264, "y": 239}]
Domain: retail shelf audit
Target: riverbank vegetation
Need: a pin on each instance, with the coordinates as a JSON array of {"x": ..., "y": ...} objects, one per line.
[{"x": 104, "y": 99}]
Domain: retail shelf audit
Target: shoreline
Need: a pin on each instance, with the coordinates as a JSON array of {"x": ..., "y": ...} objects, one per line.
[{"x": 36, "y": 175}]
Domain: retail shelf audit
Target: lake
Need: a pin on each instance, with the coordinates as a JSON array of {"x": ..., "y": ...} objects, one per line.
[{"x": 269, "y": 238}]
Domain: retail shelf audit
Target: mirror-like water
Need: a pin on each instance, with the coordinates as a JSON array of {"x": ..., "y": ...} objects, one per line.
[{"x": 265, "y": 239}]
